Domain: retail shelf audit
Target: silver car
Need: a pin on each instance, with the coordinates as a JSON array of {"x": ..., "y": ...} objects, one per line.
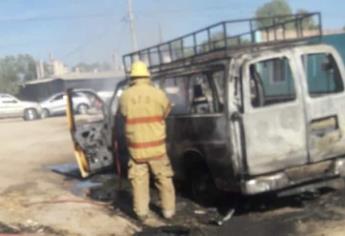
[
  {"x": 56, "y": 104},
  {"x": 11, "y": 106}
]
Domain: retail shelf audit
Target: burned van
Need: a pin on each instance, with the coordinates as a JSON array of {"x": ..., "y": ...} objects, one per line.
[{"x": 253, "y": 112}]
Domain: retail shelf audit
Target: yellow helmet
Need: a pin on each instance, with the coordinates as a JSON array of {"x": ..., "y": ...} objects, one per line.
[{"x": 139, "y": 69}]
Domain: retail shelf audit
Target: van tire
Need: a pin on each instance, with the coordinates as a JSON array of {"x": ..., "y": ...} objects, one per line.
[
  {"x": 199, "y": 183},
  {"x": 203, "y": 189},
  {"x": 30, "y": 114}
]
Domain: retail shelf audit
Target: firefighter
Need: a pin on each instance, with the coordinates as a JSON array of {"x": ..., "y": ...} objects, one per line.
[{"x": 144, "y": 109}]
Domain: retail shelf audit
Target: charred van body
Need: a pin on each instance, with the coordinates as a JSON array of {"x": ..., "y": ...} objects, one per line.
[{"x": 253, "y": 112}]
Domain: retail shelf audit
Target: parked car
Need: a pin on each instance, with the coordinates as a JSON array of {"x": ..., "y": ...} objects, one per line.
[
  {"x": 11, "y": 106},
  {"x": 104, "y": 95},
  {"x": 56, "y": 104},
  {"x": 263, "y": 113}
]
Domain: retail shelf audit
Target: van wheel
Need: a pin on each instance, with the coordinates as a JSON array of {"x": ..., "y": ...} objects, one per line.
[
  {"x": 201, "y": 185},
  {"x": 30, "y": 114},
  {"x": 45, "y": 113},
  {"x": 82, "y": 109}
]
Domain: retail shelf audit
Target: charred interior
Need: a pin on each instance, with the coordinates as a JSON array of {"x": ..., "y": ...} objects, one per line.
[{"x": 91, "y": 138}]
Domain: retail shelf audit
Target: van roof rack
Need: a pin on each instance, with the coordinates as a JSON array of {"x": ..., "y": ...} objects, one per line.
[{"x": 229, "y": 36}]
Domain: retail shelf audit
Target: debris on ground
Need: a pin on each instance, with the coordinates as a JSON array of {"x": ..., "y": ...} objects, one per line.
[
  {"x": 165, "y": 231},
  {"x": 29, "y": 227},
  {"x": 225, "y": 218},
  {"x": 257, "y": 215},
  {"x": 254, "y": 215}
]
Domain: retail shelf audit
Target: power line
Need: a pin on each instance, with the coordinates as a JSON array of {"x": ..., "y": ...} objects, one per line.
[{"x": 174, "y": 11}]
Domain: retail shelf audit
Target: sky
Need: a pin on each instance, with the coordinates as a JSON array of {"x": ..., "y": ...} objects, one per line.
[{"x": 93, "y": 30}]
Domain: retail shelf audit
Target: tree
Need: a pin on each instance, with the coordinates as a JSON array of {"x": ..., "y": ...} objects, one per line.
[
  {"x": 26, "y": 66},
  {"x": 308, "y": 23},
  {"x": 14, "y": 71},
  {"x": 217, "y": 41},
  {"x": 272, "y": 8},
  {"x": 8, "y": 75}
]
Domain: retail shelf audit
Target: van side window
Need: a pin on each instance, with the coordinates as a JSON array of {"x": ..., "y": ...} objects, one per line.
[
  {"x": 198, "y": 93},
  {"x": 322, "y": 73},
  {"x": 219, "y": 81},
  {"x": 201, "y": 94},
  {"x": 177, "y": 91},
  {"x": 271, "y": 82},
  {"x": 57, "y": 98}
]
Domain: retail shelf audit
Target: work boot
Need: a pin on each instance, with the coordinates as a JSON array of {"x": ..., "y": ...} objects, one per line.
[
  {"x": 150, "y": 220},
  {"x": 142, "y": 218},
  {"x": 168, "y": 214}
]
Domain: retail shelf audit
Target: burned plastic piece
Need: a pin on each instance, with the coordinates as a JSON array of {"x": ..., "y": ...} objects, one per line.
[{"x": 225, "y": 218}]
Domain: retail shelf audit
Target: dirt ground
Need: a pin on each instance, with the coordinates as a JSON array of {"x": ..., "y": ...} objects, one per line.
[{"x": 36, "y": 201}]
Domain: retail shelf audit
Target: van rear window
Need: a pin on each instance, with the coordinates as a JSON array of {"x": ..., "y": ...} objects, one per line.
[
  {"x": 322, "y": 74},
  {"x": 271, "y": 82}
]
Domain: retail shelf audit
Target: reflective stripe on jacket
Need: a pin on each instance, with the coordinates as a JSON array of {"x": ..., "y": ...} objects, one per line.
[{"x": 144, "y": 108}]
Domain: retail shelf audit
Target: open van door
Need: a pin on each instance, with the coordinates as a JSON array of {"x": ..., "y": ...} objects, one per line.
[{"x": 90, "y": 133}]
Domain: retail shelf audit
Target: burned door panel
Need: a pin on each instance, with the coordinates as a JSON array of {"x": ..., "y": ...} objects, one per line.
[
  {"x": 324, "y": 133},
  {"x": 91, "y": 140},
  {"x": 329, "y": 142},
  {"x": 275, "y": 139},
  {"x": 89, "y": 135},
  {"x": 325, "y": 102},
  {"x": 274, "y": 121}
]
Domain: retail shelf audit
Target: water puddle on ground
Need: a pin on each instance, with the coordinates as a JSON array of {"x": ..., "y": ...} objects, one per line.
[
  {"x": 66, "y": 169},
  {"x": 82, "y": 188}
]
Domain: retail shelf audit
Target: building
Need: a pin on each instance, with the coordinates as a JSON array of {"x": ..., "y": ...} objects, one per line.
[{"x": 103, "y": 82}]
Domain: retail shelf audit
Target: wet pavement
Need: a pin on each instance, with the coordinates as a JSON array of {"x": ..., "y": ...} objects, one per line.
[{"x": 260, "y": 215}]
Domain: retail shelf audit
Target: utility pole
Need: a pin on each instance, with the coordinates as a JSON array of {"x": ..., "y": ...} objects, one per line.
[
  {"x": 132, "y": 26},
  {"x": 39, "y": 69},
  {"x": 114, "y": 60}
]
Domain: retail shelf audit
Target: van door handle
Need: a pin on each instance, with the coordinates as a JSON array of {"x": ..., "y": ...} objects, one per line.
[{"x": 326, "y": 127}]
